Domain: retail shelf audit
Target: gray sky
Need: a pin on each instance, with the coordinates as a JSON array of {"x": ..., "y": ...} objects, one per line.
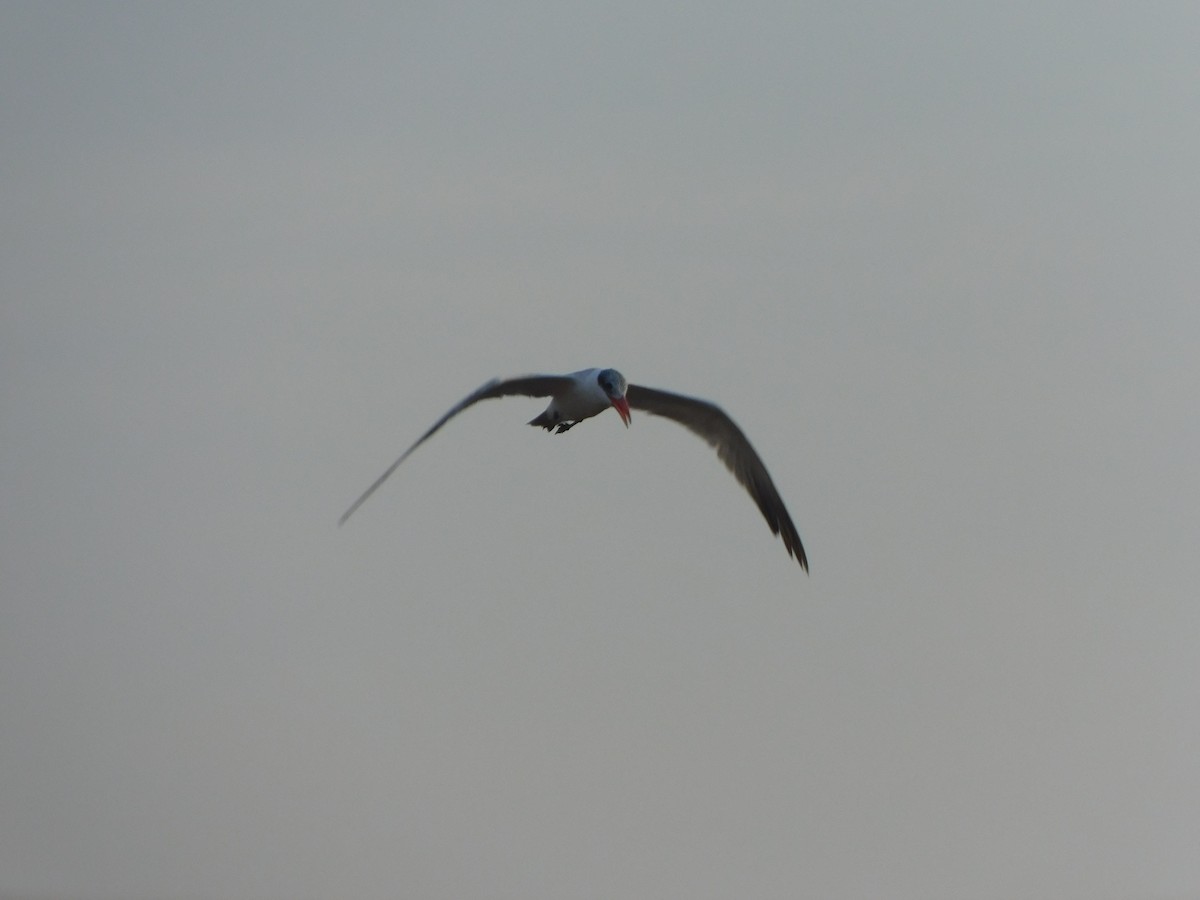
[{"x": 938, "y": 260}]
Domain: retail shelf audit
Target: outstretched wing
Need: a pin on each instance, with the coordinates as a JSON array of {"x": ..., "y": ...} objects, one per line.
[
  {"x": 711, "y": 423},
  {"x": 526, "y": 385}
]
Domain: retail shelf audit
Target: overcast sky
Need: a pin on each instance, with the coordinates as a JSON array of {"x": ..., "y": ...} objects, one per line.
[{"x": 941, "y": 263}]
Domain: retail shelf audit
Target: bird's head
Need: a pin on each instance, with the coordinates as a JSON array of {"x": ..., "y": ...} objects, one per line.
[{"x": 613, "y": 384}]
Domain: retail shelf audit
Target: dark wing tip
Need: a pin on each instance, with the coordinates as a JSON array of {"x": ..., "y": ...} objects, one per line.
[
  {"x": 771, "y": 505},
  {"x": 791, "y": 540}
]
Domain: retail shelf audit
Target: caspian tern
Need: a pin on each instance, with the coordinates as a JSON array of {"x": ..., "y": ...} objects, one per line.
[{"x": 582, "y": 395}]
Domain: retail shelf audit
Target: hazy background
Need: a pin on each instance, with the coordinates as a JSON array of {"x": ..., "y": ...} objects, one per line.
[{"x": 941, "y": 262}]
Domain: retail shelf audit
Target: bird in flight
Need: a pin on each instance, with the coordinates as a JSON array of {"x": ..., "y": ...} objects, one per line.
[{"x": 581, "y": 395}]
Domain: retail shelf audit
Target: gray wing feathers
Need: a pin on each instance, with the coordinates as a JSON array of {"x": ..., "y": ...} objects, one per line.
[
  {"x": 711, "y": 423},
  {"x": 527, "y": 385}
]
